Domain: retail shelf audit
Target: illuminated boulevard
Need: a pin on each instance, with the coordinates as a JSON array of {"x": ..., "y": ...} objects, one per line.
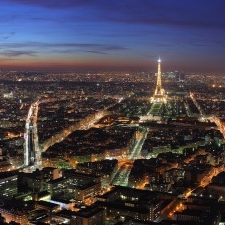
[
  {"x": 84, "y": 124},
  {"x": 32, "y": 155},
  {"x": 126, "y": 163},
  {"x": 213, "y": 118}
]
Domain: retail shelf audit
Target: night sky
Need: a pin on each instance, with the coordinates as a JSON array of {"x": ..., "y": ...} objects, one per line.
[{"x": 188, "y": 35}]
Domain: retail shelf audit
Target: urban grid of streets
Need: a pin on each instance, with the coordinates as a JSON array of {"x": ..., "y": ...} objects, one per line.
[{"x": 126, "y": 162}]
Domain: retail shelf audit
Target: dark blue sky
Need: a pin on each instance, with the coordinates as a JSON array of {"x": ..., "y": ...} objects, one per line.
[{"x": 188, "y": 35}]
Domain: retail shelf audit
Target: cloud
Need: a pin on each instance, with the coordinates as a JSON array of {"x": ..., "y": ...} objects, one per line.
[
  {"x": 60, "y": 47},
  {"x": 10, "y": 53},
  {"x": 187, "y": 14},
  {"x": 53, "y": 3},
  {"x": 72, "y": 51},
  {"x": 6, "y": 59},
  {"x": 206, "y": 42},
  {"x": 7, "y": 36},
  {"x": 97, "y": 52}
]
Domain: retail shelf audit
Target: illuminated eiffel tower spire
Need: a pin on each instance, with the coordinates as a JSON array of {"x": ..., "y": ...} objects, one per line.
[
  {"x": 159, "y": 94},
  {"x": 158, "y": 89}
]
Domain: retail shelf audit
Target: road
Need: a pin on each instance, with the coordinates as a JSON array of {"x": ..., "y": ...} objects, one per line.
[
  {"x": 177, "y": 204},
  {"x": 135, "y": 152},
  {"x": 32, "y": 153},
  {"x": 84, "y": 124},
  {"x": 215, "y": 119},
  {"x": 188, "y": 111},
  {"x": 192, "y": 96},
  {"x": 219, "y": 124},
  {"x": 122, "y": 176}
]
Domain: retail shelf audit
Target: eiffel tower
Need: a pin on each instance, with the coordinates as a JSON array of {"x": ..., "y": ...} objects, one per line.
[{"x": 159, "y": 94}]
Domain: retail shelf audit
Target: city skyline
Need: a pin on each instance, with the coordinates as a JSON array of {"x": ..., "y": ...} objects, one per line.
[
  {"x": 118, "y": 35},
  {"x": 108, "y": 148}
]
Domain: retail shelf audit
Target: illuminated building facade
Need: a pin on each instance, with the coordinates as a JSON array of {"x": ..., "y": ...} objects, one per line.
[
  {"x": 129, "y": 202},
  {"x": 89, "y": 216},
  {"x": 17, "y": 216},
  {"x": 8, "y": 186}
]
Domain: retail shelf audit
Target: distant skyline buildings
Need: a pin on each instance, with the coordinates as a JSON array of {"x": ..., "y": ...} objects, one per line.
[{"x": 112, "y": 36}]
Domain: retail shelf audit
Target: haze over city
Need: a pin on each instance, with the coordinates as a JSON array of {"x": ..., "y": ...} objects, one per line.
[{"x": 125, "y": 35}]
